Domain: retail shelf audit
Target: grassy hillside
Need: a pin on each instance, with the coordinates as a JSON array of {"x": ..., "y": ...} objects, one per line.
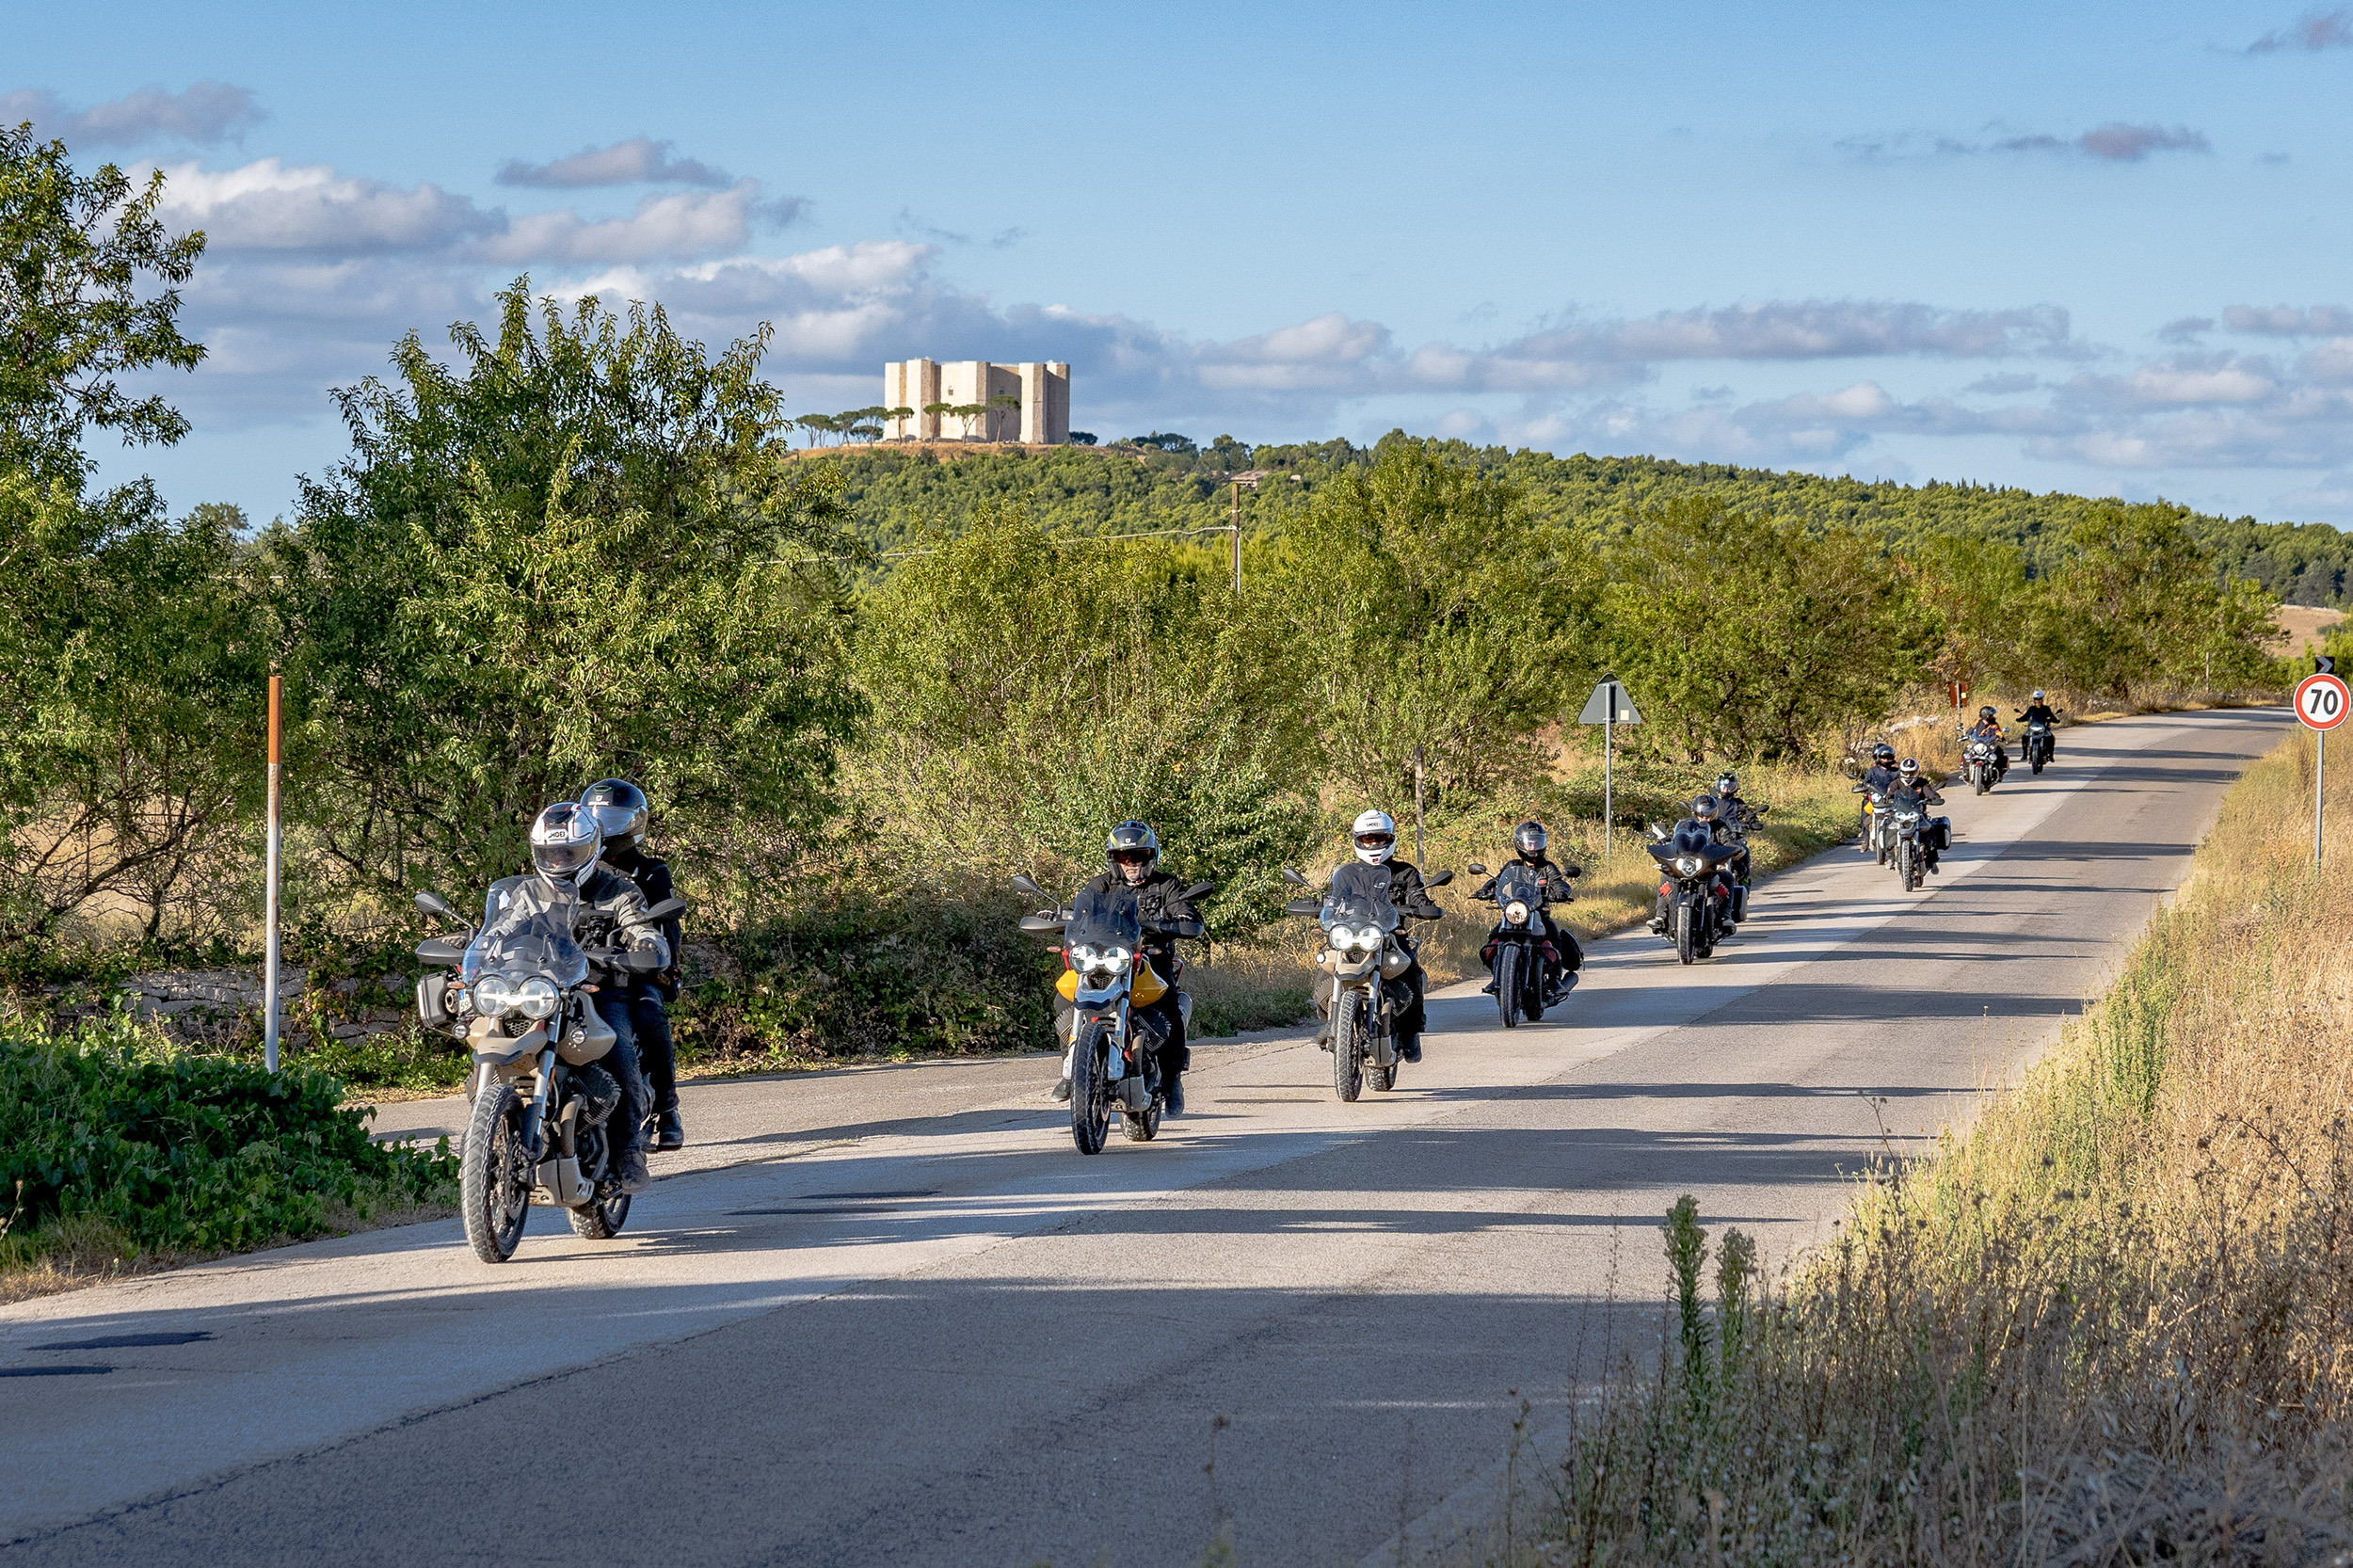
[{"x": 1089, "y": 490}]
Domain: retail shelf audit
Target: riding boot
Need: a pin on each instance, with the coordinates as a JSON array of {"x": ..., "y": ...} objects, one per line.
[
  {"x": 1173, "y": 1094},
  {"x": 669, "y": 1131}
]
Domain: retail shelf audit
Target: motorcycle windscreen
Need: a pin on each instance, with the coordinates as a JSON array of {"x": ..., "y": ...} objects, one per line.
[
  {"x": 1105, "y": 918},
  {"x": 1359, "y": 895},
  {"x": 527, "y": 931},
  {"x": 1517, "y": 882}
]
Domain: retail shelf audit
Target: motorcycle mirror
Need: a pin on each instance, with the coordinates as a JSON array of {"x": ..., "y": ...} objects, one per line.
[
  {"x": 1200, "y": 889},
  {"x": 1655, "y": 831},
  {"x": 1571, "y": 868},
  {"x": 1438, "y": 881},
  {"x": 1476, "y": 868},
  {"x": 1762, "y": 810},
  {"x": 1023, "y": 885},
  {"x": 1294, "y": 878},
  {"x": 430, "y": 903}
]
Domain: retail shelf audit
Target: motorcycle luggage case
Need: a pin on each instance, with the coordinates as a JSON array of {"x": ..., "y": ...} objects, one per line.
[{"x": 1940, "y": 833}]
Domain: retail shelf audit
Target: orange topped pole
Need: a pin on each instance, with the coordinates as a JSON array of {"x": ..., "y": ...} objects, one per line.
[{"x": 269, "y": 915}]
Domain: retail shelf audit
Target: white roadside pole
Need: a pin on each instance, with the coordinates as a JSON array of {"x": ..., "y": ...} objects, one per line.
[
  {"x": 1608, "y": 707},
  {"x": 2322, "y": 702},
  {"x": 270, "y": 901}
]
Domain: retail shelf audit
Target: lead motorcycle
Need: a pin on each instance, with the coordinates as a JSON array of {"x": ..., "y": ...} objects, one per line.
[
  {"x": 541, "y": 1128},
  {"x": 1519, "y": 952},
  {"x": 1694, "y": 884},
  {"x": 1368, "y": 954},
  {"x": 1115, "y": 1042},
  {"x": 2036, "y": 749}
]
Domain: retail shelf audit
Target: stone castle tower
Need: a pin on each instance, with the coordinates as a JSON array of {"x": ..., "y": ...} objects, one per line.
[{"x": 1039, "y": 413}]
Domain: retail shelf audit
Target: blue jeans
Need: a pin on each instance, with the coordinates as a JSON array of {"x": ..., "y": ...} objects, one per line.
[{"x": 622, "y": 1062}]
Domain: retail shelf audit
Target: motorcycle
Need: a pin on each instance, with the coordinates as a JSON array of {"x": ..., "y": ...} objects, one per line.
[
  {"x": 2038, "y": 743},
  {"x": 1981, "y": 761},
  {"x": 540, "y": 1132},
  {"x": 1368, "y": 955},
  {"x": 1519, "y": 953},
  {"x": 1879, "y": 823},
  {"x": 1912, "y": 832},
  {"x": 1698, "y": 902},
  {"x": 1109, "y": 981}
]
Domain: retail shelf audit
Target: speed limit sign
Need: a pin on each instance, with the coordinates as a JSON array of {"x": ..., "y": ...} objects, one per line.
[{"x": 2322, "y": 701}]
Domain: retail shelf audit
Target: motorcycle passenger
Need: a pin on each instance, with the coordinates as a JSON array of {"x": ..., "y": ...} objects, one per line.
[
  {"x": 1374, "y": 837},
  {"x": 1527, "y": 843},
  {"x": 1914, "y": 793},
  {"x": 621, "y": 812},
  {"x": 1131, "y": 860},
  {"x": 565, "y": 841},
  {"x": 1878, "y": 778},
  {"x": 2038, "y": 711},
  {"x": 1989, "y": 729},
  {"x": 1737, "y": 817}
]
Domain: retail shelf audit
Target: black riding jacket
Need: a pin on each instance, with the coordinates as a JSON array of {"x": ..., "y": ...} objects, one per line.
[
  {"x": 1881, "y": 778},
  {"x": 2040, "y": 714},
  {"x": 1165, "y": 916},
  {"x": 1407, "y": 892},
  {"x": 652, "y": 875},
  {"x": 1549, "y": 875},
  {"x": 1915, "y": 796}
]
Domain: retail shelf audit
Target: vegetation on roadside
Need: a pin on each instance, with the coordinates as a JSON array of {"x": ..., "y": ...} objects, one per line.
[
  {"x": 116, "y": 1153},
  {"x": 2111, "y": 1323}
]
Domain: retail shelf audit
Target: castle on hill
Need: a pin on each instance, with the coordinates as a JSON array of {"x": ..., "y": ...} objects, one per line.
[{"x": 1029, "y": 403}]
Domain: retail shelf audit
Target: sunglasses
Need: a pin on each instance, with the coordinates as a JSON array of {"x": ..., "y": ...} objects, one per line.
[
  {"x": 1131, "y": 856},
  {"x": 1376, "y": 840}
]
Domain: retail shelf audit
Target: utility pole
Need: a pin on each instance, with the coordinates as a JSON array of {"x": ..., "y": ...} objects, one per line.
[
  {"x": 269, "y": 911},
  {"x": 1237, "y": 538}
]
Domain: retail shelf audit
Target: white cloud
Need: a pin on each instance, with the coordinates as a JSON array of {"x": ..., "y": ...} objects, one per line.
[
  {"x": 662, "y": 228},
  {"x": 2314, "y": 31},
  {"x": 209, "y": 111},
  {"x": 268, "y": 206},
  {"x": 2289, "y": 321},
  {"x": 640, "y": 160}
]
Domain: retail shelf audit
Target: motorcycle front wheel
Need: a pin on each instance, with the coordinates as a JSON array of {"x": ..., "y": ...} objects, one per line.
[
  {"x": 1142, "y": 1126},
  {"x": 494, "y": 1176},
  {"x": 1348, "y": 1047},
  {"x": 1686, "y": 932},
  {"x": 1508, "y": 985},
  {"x": 1090, "y": 1090}
]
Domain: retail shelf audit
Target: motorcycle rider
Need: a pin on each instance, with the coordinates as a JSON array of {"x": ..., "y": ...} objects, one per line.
[
  {"x": 1913, "y": 792},
  {"x": 1705, "y": 815},
  {"x": 1736, "y": 816},
  {"x": 1131, "y": 860},
  {"x": 1527, "y": 843},
  {"x": 1878, "y": 778},
  {"x": 2038, "y": 711},
  {"x": 608, "y": 912},
  {"x": 1988, "y": 729},
  {"x": 1375, "y": 837},
  {"x": 621, "y": 810}
]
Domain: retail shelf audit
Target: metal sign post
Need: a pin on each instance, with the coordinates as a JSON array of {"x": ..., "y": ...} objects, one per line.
[
  {"x": 269, "y": 910},
  {"x": 2322, "y": 702},
  {"x": 1608, "y": 707}
]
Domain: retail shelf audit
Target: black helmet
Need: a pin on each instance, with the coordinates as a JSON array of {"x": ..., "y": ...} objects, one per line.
[
  {"x": 1703, "y": 808},
  {"x": 619, "y": 808},
  {"x": 1131, "y": 843},
  {"x": 564, "y": 840},
  {"x": 1728, "y": 784},
  {"x": 1883, "y": 754},
  {"x": 1529, "y": 839},
  {"x": 1986, "y": 713}
]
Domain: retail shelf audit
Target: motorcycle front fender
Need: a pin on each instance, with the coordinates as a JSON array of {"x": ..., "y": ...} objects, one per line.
[{"x": 494, "y": 1049}]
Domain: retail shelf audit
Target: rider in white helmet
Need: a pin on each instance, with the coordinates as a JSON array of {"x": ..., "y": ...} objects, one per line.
[
  {"x": 2038, "y": 710},
  {"x": 1374, "y": 837}
]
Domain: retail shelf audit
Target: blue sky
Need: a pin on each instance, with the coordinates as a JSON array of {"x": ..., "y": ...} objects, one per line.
[{"x": 2103, "y": 249}]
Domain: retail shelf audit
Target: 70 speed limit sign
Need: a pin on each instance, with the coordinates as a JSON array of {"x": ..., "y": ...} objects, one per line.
[{"x": 2322, "y": 701}]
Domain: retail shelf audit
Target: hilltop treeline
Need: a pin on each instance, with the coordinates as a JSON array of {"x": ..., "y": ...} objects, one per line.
[{"x": 894, "y": 494}]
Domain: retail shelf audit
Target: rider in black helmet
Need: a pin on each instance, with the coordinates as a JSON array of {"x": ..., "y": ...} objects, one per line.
[
  {"x": 1132, "y": 859},
  {"x": 1528, "y": 842},
  {"x": 1878, "y": 778},
  {"x": 621, "y": 811}
]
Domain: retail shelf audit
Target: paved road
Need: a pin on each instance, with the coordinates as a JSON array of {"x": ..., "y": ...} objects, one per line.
[{"x": 892, "y": 1318}]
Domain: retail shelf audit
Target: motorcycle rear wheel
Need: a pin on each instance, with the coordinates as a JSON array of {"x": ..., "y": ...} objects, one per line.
[
  {"x": 1348, "y": 1047},
  {"x": 1508, "y": 985},
  {"x": 494, "y": 1176},
  {"x": 600, "y": 1220},
  {"x": 1090, "y": 1091}
]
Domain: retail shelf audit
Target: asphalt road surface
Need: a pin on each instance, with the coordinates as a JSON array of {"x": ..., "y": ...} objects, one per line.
[{"x": 892, "y": 1317}]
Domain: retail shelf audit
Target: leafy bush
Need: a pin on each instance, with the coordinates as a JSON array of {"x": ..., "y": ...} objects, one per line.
[{"x": 185, "y": 1153}]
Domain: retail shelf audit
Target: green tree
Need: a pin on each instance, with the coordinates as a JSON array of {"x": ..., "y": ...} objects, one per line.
[
  {"x": 88, "y": 291},
  {"x": 1417, "y": 606},
  {"x": 582, "y": 550},
  {"x": 1752, "y": 639},
  {"x": 2136, "y": 606}
]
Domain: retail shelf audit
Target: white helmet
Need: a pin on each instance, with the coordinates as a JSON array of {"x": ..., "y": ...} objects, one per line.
[
  {"x": 2037, "y": 693},
  {"x": 565, "y": 841},
  {"x": 1376, "y": 837}
]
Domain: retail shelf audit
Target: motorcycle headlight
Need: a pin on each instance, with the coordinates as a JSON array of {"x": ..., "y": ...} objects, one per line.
[
  {"x": 1687, "y": 864},
  {"x": 1516, "y": 912},
  {"x": 1117, "y": 959},
  {"x": 493, "y": 996},
  {"x": 536, "y": 998}
]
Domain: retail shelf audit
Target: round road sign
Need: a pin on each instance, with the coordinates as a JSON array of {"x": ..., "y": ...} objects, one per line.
[{"x": 2322, "y": 701}]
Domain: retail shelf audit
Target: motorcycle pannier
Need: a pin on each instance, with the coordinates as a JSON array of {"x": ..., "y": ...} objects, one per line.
[{"x": 1941, "y": 833}]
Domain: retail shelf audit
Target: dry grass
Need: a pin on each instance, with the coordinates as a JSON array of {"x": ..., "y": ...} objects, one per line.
[{"x": 2114, "y": 1324}]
